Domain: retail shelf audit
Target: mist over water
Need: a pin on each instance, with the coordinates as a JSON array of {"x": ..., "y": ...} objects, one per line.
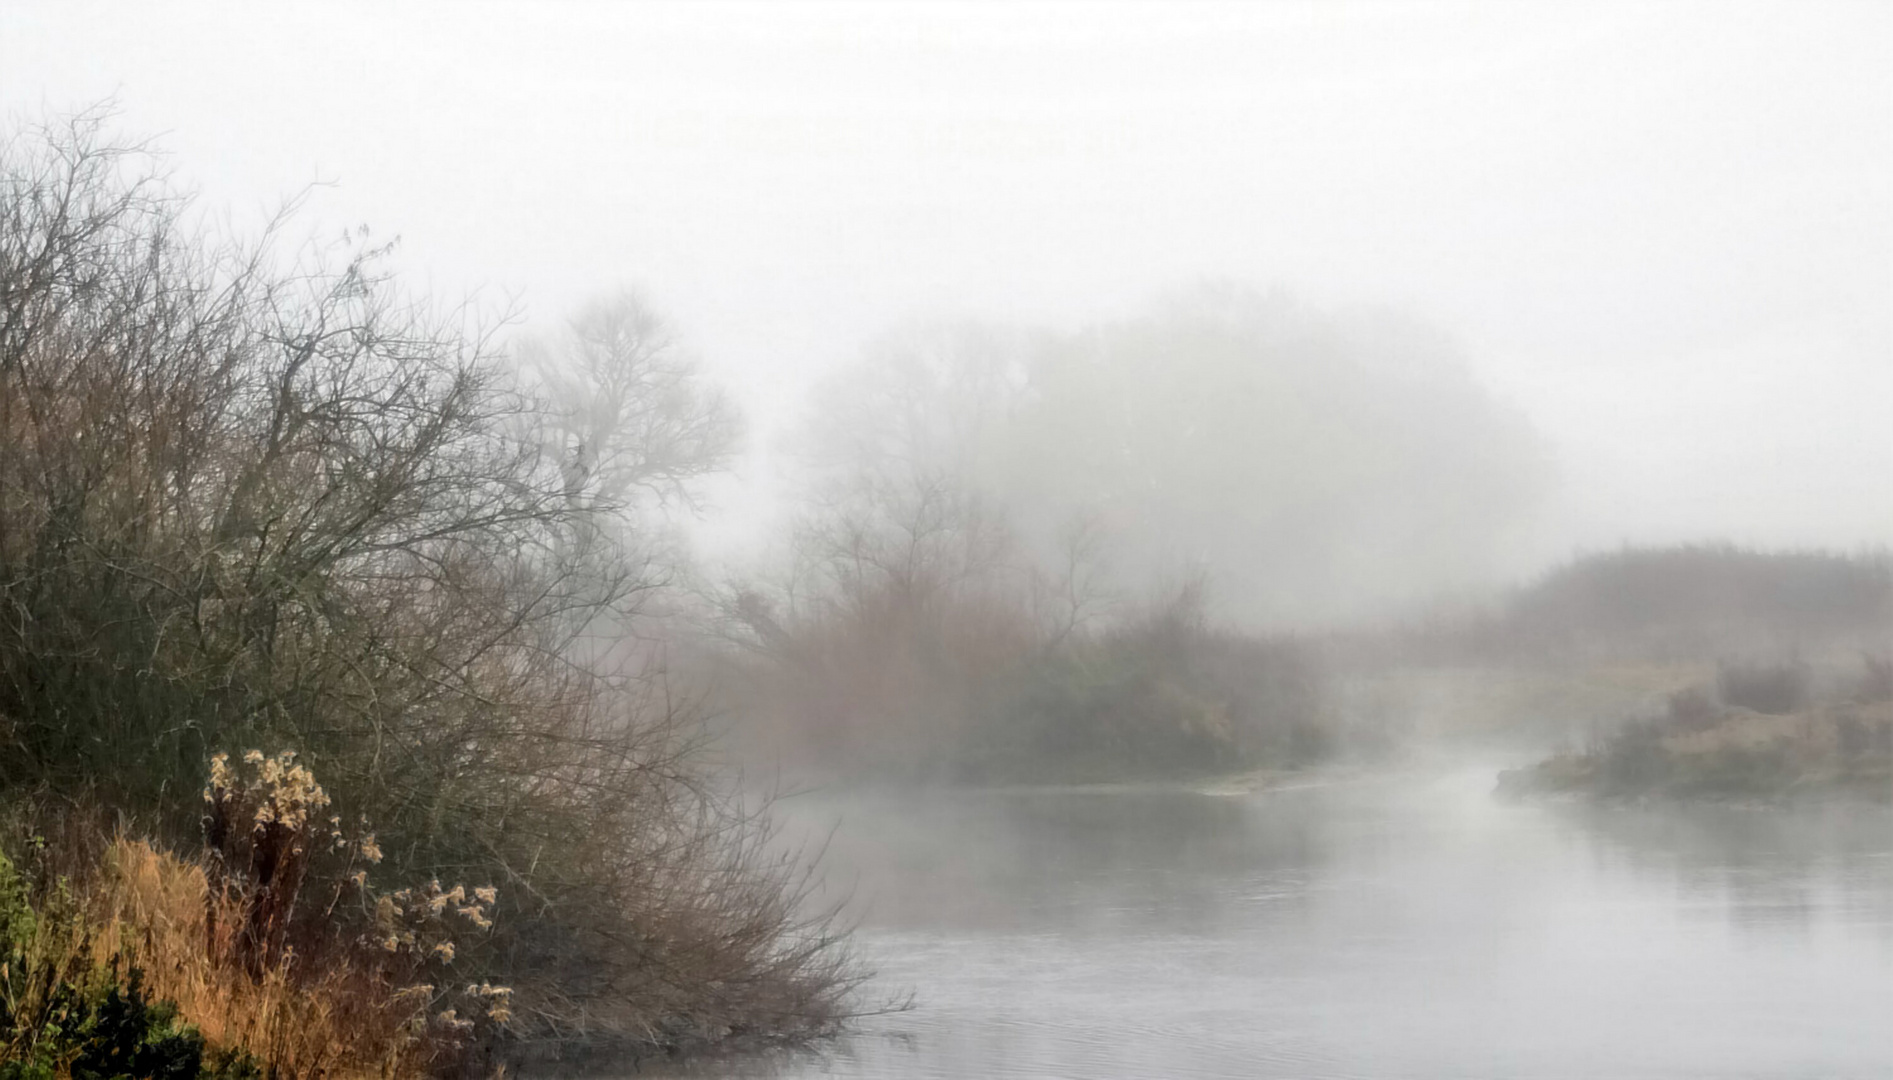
[{"x": 1384, "y": 926}]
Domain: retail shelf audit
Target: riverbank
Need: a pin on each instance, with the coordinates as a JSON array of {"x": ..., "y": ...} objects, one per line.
[
  {"x": 280, "y": 945},
  {"x": 1700, "y": 752}
]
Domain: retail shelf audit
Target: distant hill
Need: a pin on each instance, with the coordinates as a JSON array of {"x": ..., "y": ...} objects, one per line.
[
  {"x": 1703, "y": 598},
  {"x": 1686, "y": 603}
]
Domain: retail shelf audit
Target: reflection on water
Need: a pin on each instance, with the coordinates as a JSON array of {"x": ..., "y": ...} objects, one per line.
[{"x": 1405, "y": 927}]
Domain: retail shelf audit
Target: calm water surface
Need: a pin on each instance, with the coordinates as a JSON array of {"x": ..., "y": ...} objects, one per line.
[{"x": 1392, "y": 927}]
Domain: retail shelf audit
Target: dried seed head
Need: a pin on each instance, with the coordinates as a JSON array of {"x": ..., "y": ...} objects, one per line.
[{"x": 221, "y": 778}]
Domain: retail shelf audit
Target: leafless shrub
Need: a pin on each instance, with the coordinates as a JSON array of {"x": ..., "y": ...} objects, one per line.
[
  {"x": 248, "y": 499},
  {"x": 918, "y": 644}
]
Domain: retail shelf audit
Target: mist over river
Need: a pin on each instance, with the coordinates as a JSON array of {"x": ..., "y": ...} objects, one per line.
[{"x": 1402, "y": 925}]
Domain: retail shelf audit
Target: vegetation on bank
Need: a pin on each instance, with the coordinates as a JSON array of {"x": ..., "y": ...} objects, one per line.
[
  {"x": 1756, "y": 733},
  {"x": 985, "y": 583},
  {"x": 272, "y": 953},
  {"x": 1613, "y": 635},
  {"x": 965, "y": 687},
  {"x": 901, "y": 654},
  {"x": 253, "y": 498}
]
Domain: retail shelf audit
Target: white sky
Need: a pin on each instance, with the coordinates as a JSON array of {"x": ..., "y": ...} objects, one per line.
[{"x": 1664, "y": 231}]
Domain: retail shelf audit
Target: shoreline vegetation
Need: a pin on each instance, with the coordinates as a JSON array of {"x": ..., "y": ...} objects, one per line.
[
  {"x": 898, "y": 690},
  {"x": 1752, "y": 737},
  {"x": 255, "y": 497},
  {"x": 271, "y": 954}
]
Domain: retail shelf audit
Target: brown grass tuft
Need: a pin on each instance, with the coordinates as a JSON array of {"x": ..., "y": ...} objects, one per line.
[{"x": 340, "y": 1021}]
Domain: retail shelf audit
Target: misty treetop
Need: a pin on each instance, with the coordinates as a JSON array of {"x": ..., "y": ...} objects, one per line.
[
  {"x": 630, "y": 414},
  {"x": 1030, "y": 555},
  {"x": 1314, "y": 464}
]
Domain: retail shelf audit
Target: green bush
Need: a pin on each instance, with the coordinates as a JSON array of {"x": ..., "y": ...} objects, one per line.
[
  {"x": 1162, "y": 694},
  {"x": 62, "y": 1015},
  {"x": 98, "y": 1025}
]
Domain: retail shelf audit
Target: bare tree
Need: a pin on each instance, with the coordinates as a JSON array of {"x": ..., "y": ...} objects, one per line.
[
  {"x": 629, "y": 412},
  {"x": 1074, "y": 590}
]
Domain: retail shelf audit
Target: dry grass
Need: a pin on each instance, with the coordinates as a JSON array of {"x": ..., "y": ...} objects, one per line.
[
  {"x": 350, "y": 982},
  {"x": 337, "y": 1022},
  {"x": 1815, "y": 735}
]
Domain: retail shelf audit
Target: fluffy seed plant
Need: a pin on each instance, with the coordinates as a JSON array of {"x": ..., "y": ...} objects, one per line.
[{"x": 289, "y": 907}]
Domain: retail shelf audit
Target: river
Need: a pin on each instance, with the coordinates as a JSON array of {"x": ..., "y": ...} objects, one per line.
[{"x": 1391, "y": 926}]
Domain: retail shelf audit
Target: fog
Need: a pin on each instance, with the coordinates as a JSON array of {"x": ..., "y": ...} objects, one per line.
[
  {"x": 1658, "y": 231},
  {"x": 1297, "y": 539}
]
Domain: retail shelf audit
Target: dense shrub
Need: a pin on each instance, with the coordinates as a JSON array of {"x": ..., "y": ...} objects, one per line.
[
  {"x": 1161, "y": 693},
  {"x": 1766, "y": 688},
  {"x": 1634, "y": 761},
  {"x": 970, "y": 687},
  {"x": 250, "y": 500},
  {"x": 1701, "y": 749}
]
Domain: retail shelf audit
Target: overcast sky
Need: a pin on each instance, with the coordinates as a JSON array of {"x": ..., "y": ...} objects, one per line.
[{"x": 1663, "y": 231}]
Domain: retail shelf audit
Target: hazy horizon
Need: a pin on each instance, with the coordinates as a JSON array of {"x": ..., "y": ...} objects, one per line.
[{"x": 1661, "y": 232}]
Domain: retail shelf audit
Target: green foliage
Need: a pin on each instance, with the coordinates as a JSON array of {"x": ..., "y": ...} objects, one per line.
[
  {"x": 17, "y": 921},
  {"x": 61, "y": 1015},
  {"x": 124, "y": 1034},
  {"x": 97, "y": 1026}
]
